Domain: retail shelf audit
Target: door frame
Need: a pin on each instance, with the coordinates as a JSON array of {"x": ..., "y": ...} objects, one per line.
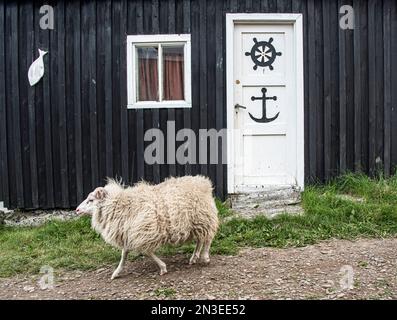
[{"x": 264, "y": 18}]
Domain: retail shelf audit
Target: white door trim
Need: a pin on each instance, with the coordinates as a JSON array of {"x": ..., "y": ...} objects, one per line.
[{"x": 281, "y": 18}]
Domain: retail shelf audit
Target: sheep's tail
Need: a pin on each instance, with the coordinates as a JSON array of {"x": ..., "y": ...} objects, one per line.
[{"x": 205, "y": 184}]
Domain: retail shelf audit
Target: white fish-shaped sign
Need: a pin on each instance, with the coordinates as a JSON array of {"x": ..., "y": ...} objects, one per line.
[{"x": 36, "y": 69}]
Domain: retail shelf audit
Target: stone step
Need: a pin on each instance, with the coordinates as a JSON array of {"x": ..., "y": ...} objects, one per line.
[{"x": 270, "y": 203}]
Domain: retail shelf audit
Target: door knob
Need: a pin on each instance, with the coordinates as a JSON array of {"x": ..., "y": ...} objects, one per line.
[{"x": 237, "y": 106}]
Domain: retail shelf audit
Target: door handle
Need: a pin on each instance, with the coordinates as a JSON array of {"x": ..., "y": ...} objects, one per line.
[{"x": 237, "y": 106}]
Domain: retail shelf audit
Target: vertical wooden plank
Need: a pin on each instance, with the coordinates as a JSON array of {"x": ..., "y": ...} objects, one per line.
[
  {"x": 379, "y": 93},
  {"x": 85, "y": 96},
  {"x": 188, "y": 112},
  {"x": 38, "y": 105},
  {"x": 115, "y": 83},
  {"x": 334, "y": 30},
  {"x": 372, "y": 86},
  {"x": 319, "y": 62},
  {"x": 327, "y": 88},
  {"x": 203, "y": 78},
  {"x": 387, "y": 86},
  {"x": 132, "y": 122},
  {"x": 77, "y": 101},
  {"x": 69, "y": 105},
  {"x": 156, "y": 112},
  {"x": 62, "y": 104},
  {"x": 349, "y": 97},
  {"x": 31, "y": 108},
  {"x": 23, "y": 102},
  {"x": 312, "y": 95},
  {"x": 220, "y": 114},
  {"x": 47, "y": 122},
  {"x": 8, "y": 106},
  {"x": 54, "y": 109},
  {"x": 163, "y": 113},
  {"x": 179, "y": 112},
  {"x": 256, "y": 6},
  {"x": 108, "y": 89},
  {"x": 140, "y": 124},
  {"x": 248, "y": 6},
  {"x": 357, "y": 89},
  {"x": 272, "y": 6},
  {"x": 3, "y": 113},
  {"x": 92, "y": 95},
  {"x": 147, "y": 114},
  {"x": 195, "y": 56},
  {"x": 264, "y": 6},
  {"x": 281, "y": 6},
  {"x": 342, "y": 99},
  {"x": 171, "y": 111},
  {"x": 233, "y": 6},
  {"x": 123, "y": 93},
  {"x": 364, "y": 90},
  {"x": 211, "y": 79},
  {"x": 100, "y": 88},
  {"x": 393, "y": 72},
  {"x": 15, "y": 103},
  {"x": 297, "y": 6}
]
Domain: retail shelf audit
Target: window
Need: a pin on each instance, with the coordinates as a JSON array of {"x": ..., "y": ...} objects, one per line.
[{"x": 158, "y": 71}]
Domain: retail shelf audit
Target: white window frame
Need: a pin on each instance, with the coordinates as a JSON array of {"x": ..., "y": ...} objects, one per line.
[{"x": 144, "y": 40}]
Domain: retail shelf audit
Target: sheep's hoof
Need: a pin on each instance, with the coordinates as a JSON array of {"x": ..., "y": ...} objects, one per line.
[
  {"x": 193, "y": 260},
  {"x": 114, "y": 276},
  {"x": 206, "y": 260},
  {"x": 162, "y": 272}
]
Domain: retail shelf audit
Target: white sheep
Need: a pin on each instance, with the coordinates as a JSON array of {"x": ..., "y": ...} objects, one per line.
[{"x": 144, "y": 217}]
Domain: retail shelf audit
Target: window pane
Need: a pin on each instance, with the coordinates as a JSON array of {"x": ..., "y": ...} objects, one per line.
[
  {"x": 173, "y": 73},
  {"x": 148, "y": 74}
]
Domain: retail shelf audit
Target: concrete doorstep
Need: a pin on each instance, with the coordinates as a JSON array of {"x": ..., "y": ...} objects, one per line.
[{"x": 269, "y": 203}]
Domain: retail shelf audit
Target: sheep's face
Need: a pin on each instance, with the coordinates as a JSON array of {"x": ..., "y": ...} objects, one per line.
[{"x": 90, "y": 205}]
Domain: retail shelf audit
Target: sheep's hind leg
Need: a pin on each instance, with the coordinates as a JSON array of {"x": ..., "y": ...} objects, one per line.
[
  {"x": 196, "y": 253},
  {"x": 206, "y": 251},
  {"x": 161, "y": 264},
  {"x": 116, "y": 272}
]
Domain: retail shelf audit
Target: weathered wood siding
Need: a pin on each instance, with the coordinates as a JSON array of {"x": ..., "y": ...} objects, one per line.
[{"x": 62, "y": 137}]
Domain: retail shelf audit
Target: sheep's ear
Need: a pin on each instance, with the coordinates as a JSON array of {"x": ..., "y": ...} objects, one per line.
[{"x": 100, "y": 193}]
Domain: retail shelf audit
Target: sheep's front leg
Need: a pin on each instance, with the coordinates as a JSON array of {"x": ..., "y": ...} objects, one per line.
[
  {"x": 116, "y": 272},
  {"x": 196, "y": 253},
  {"x": 161, "y": 264}
]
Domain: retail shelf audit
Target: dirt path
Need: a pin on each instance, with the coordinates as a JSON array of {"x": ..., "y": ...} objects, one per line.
[{"x": 312, "y": 272}]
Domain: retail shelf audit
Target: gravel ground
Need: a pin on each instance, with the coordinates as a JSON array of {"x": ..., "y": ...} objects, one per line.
[{"x": 312, "y": 272}]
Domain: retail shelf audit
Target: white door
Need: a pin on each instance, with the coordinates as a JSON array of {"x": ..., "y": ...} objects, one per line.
[{"x": 266, "y": 116}]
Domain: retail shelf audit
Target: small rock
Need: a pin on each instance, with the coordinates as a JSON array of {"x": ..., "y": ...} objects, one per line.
[{"x": 28, "y": 288}]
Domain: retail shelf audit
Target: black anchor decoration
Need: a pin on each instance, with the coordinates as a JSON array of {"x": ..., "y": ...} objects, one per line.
[
  {"x": 264, "y": 118},
  {"x": 263, "y": 57}
]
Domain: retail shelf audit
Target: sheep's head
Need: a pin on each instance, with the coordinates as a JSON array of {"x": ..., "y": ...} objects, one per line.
[{"x": 89, "y": 205}]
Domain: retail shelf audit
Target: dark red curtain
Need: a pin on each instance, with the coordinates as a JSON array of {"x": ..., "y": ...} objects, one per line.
[
  {"x": 148, "y": 74},
  {"x": 173, "y": 73}
]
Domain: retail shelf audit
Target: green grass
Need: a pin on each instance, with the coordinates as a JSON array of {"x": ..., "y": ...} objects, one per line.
[
  {"x": 164, "y": 292},
  {"x": 73, "y": 245}
]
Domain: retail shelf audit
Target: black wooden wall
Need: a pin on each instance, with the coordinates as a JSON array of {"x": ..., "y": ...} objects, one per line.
[{"x": 62, "y": 137}]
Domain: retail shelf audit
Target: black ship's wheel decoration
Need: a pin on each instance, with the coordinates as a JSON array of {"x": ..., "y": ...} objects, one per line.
[{"x": 263, "y": 53}]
